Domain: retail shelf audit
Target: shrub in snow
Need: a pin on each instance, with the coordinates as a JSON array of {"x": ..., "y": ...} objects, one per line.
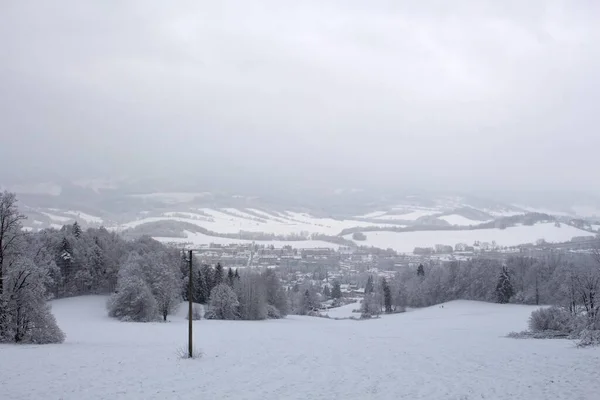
[
  {"x": 184, "y": 353},
  {"x": 273, "y": 312},
  {"x": 589, "y": 337},
  {"x": 224, "y": 302},
  {"x": 551, "y": 319},
  {"x": 133, "y": 301},
  {"x": 196, "y": 313},
  {"x": 210, "y": 315}
]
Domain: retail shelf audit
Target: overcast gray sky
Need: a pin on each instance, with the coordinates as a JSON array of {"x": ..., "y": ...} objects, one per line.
[{"x": 447, "y": 93}]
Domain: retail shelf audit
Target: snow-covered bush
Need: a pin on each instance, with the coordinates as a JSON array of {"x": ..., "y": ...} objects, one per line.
[
  {"x": 196, "y": 313},
  {"x": 133, "y": 301},
  {"x": 551, "y": 319},
  {"x": 224, "y": 302},
  {"x": 589, "y": 337},
  {"x": 273, "y": 312}
]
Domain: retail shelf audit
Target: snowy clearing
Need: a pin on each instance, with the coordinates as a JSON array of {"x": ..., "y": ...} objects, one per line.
[
  {"x": 198, "y": 239},
  {"x": 405, "y": 242},
  {"x": 455, "y": 352},
  {"x": 344, "y": 311}
]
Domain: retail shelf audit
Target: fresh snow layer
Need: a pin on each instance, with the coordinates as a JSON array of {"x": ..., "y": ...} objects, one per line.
[
  {"x": 345, "y": 311},
  {"x": 85, "y": 217},
  {"x": 405, "y": 242},
  {"x": 57, "y": 218},
  {"x": 198, "y": 239},
  {"x": 411, "y": 216},
  {"x": 455, "y": 219},
  {"x": 455, "y": 352},
  {"x": 236, "y": 220}
]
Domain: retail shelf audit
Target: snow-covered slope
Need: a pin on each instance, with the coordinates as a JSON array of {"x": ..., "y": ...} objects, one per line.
[
  {"x": 407, "y": 241},
  {"x": 231, "y": 220},
  {"x": 455, "y": 352}
]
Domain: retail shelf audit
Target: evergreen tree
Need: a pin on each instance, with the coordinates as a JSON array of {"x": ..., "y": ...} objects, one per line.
[
  {"x": 369, "y": 287},
  {"x": 236, "y": 275},
  {"x": 421, "y": 270},
  {"x": 201, "y": 288},
  {"x": 387, "y": 296},
  {"x": 208, "y": 276},
  {"x": 504, "y": 288},
  {"x": 230, "y": 277},
  {"x": 336, "y": 292},
  {"x": 326, "y": 292},
  {"x": 76, "y": 230},
  {"x": 218, "y": 276}
]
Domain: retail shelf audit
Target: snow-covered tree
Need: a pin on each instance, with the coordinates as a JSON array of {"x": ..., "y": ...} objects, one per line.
[
  {"x": 166, "y": 288},
  {"x": 326, "y": 292},
  {"x": 134, "y": 300},
  {"x": 275, "y": 292},
  {"x": 387, "y": 295},
  {"x": 504, "y": 289},
  {"x": 370, "y": 306},
  {"x": 369, "y": 287},
  {"x": 76, "y": 230},
  {"x": 224, "y": 302},
  {"x": 336, "y": 292},
  {"x": 25, "y": 315},
  {"x": 230, "y": 277},
  {"x": 252, "y": 296},
  {"x": 218, "y": 275}
]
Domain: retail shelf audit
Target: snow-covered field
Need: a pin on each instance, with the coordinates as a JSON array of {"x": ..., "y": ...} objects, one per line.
[
  {"x": 198, "y": 239},
  {"x": 456, "y": 352},
  {"x": 455, "y": 219},
  {"x": 407, "y": 241},
  {"x": 230, "y": 220}
]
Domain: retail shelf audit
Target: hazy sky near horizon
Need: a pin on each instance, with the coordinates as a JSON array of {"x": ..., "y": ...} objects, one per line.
[{"x": 468, "y": 94}]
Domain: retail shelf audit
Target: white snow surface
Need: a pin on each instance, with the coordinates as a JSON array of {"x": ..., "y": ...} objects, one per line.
[
  {"x": 411, "y": 216},
  {"x": 287, "y": 223},
  {"x": 85, "y": 217},
  {"x": 455, "y": 352},
  {"x": 405, "y": 242},
  {"x": 57, "y": 218},
  {"x": 344, "y": 311},
  {"x": 456, "y": 219},
  {"x": 198, "y": 239}
]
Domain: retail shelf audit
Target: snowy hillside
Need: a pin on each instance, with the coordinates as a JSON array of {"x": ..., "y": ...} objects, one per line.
[
  {"x": 455, "y": 352},
  {"x": 406, "y": 241}
]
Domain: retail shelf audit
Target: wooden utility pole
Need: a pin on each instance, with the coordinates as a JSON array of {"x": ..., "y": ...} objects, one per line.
[{"x": 190, "y": 320}]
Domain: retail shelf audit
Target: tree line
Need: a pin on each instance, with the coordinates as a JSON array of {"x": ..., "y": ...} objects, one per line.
[{"x": 147, "y": 279}]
